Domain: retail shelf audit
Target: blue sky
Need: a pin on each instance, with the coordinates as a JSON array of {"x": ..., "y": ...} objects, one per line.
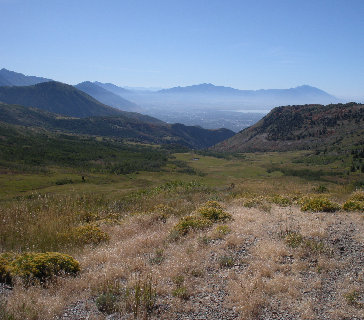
[{"x": 243, "y": 44}]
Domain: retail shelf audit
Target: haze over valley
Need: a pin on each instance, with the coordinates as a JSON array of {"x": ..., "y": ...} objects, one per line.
[
  {"x": 169, "y": 160},
  {"x": 204, "y": 105}
]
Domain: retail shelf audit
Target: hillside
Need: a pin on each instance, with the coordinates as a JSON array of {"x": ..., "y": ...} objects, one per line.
[
  {"x": 63, "y": 99},
  {"x": 11, "y": 78},
  {"x": 105, "y": 96},
  {"x": 58, "y": 98},
  {"x": 117, "y": 127},
  {"x": 301, "y": 127}
]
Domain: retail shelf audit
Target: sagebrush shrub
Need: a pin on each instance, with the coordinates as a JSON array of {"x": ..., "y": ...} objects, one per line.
[
  {"x": 282, "y": 201},
  {"x": 357, "y": 196},
  {"x": 186, "y": 224},
  {"x": 355, "y": 202},
  {"x": 352, "y": 205},
  {"x": 213, "y": 211},
  {"x": 319, "y": 205},
  {"x": 40, "y": 266},
  {"x": 86, "y": 234}
]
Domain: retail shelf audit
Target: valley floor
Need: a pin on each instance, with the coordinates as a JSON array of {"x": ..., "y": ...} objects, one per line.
[{"x": 245, "y": 248}]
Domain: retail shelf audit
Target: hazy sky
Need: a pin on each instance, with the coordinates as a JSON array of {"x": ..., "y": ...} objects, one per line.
[{"x": 244, "y": 44}]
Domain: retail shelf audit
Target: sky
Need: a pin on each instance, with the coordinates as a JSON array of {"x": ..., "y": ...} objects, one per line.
[{"x": 257, "y": 44}]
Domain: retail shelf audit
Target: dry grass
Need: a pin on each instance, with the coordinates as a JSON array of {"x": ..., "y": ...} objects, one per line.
[{"x": 262, "y": 273}]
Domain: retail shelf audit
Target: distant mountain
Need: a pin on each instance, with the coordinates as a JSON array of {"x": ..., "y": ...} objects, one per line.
[
  {"x": 112, "y": 88},
  {"x": 105, "y": 96},
  {"x": 115, "y": 127},
  {"x": 63, "y": 99},
  {"x": 208, "y": 97},
  {"x": 302, "y": 127},
  {"x": 299, "y": 92},
  {"x": 204, "y": 88},
  {"x": 11, "y": 78}
]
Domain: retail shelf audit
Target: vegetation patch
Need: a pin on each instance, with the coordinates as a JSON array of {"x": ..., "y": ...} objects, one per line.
[
  {"x": 86, "y": 234},
  {"x": 280, "y": 200},
  {"x": 36, "y": 266},
  {"x": 189, "y": 223},
  {"x": 355, "y": 202},
  {"x": 352, "y": 205},
  {"x": 213, "y": 211},
  {"x": 319, "y": 205}
]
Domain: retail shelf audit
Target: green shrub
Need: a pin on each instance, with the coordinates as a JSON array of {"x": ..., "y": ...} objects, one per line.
[
  {"x": 355, "y": 202},
  {"x": 319, "y": 204},
  {"x": 252, "y": 202},
  {"x": 357, "y": 196},
  {"x": 281, "y": 200},
  {"x": 213, "y": 211},
  {"x": 213, "y": 204},
  {"x": 189, "y": 223},
  {"x": 87, "y": 234},
  {"x": 352, "y": 205},
  {"x": 40, "y": 266}
]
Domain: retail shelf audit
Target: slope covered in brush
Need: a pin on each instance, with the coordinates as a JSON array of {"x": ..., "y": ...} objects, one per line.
[
  {"x": 301, "y": 127},
  {"x": 120, "y": 126}
]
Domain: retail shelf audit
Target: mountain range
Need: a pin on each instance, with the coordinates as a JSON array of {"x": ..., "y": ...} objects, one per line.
[{"x": 189, "y": 104}]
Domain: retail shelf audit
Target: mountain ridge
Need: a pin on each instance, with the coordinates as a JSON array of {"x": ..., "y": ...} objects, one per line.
[
  {"x": 114, "y": 127},
  {"x": 61, "y": 98},
  {"x": 301, "y": 127},
  {"x": 105, "y": 96},
  {"x": 12, "y": 78}
]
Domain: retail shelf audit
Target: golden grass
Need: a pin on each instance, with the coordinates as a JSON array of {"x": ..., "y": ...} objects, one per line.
[{"x": 265, "y": 275}]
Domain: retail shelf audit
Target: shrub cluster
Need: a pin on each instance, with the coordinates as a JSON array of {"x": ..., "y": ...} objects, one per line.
[
  {"x": 281, "y": 200},
  {"x": 36, "y": 266},
  {"x": 86, "y": 234},
  {"x": 355, "y": 202},
  {"x": 211, "y": 212},
  {"x": 319, "y": 204},
  {"x": 189, "y": 223}
]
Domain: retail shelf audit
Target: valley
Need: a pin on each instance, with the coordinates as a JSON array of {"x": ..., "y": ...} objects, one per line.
[{"x": 113, "y": 214}]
